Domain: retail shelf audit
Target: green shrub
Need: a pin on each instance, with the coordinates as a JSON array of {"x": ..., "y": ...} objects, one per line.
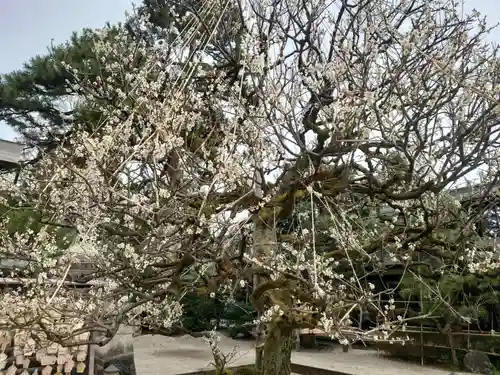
[{"x": 201, "y": 313}]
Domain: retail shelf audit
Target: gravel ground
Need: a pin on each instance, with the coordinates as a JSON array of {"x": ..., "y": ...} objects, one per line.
[{"x": 159, "y": 355}]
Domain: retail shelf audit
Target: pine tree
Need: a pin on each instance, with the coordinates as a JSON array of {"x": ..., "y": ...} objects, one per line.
[
  {"x": 34, "y": 99},
  {"x": 30, "y": 98}
]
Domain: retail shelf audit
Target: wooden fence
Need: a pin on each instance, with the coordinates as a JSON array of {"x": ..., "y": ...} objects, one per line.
[{"x": 427, "y": 345}]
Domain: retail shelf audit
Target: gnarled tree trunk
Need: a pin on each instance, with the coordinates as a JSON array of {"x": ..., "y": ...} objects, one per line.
[
  {"x": 275, "y": 341},
  {"x": 273, "y": 353},
  {"x": 276, "y": 353}
]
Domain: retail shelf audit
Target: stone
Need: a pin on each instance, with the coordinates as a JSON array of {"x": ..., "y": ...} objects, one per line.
[
  {"x": 478, "y": 362},
  {"x": 124, "y": 363},
  {"x": 111, "y": 369},
  {"x": 119, "y": 352}
]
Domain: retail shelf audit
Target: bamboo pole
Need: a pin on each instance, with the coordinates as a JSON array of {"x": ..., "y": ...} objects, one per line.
[{"x": 421, "y": 327}]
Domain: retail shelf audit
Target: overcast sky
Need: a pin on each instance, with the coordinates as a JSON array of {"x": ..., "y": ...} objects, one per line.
[{"x": 27, "y": 27}]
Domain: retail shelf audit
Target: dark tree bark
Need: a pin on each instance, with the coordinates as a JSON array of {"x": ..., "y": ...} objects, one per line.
[{"x": 276, "y": 353}]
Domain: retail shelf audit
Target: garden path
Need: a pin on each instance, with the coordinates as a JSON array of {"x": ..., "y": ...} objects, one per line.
[{"x": 159, "y": 355}]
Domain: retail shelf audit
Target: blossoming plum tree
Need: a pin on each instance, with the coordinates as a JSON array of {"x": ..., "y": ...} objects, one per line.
[{"x": 349, "y": 119}]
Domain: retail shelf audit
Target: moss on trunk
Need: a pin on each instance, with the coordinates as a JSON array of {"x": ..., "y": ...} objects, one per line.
[{"x": 276, "y": 353}]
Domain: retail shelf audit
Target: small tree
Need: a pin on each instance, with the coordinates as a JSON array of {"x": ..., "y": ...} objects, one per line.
[{"x": 327, "y": 115}]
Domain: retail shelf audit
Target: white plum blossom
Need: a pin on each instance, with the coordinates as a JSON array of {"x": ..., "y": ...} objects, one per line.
[{"x": 311, "y": 153}]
